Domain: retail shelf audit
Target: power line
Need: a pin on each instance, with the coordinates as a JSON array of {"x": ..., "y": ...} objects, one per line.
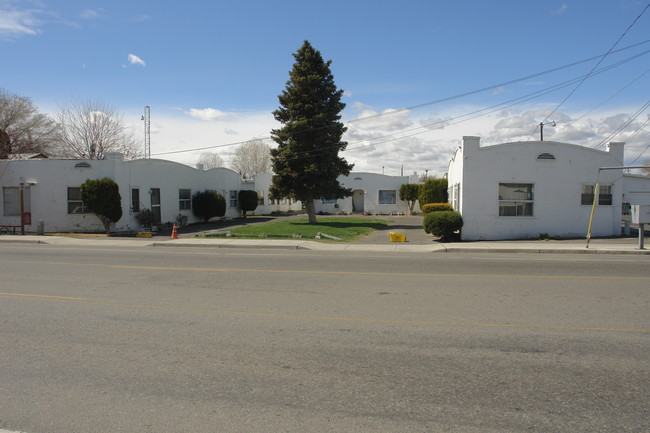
[
  {"x": 624, "y": 125},
  {"x": 634, "y": 135},
  {"x": 446, "y": 99},
  {"x": 592, "y": 69},
  {"x": 618, "y": 92}
]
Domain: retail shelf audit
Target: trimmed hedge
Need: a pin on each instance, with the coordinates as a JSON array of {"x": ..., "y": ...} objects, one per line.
[
  {"x": 443, "y": 224},
  {"x": 208, "y": 204},
  {"x": 248, "y": 201},
  {"x": 433, "y": 191},
  {"x": 437, "y": 207}
]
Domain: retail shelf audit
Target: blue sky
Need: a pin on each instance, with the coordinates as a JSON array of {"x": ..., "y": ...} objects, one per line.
[{"x": 211, "y": 71}]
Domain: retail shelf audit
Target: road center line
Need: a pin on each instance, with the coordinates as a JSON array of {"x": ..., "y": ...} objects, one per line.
[
  {"x": 309, "y": 317},
  {"x": 315, "y": 272}
]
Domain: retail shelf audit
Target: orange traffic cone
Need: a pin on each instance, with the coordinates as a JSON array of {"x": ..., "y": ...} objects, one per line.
[{"x": 174, "y": 234}]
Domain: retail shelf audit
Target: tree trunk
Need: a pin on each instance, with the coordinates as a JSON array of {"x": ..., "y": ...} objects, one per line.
[
  {"x": 106, "y": 222},
  {"x": 311, "y": 211}
]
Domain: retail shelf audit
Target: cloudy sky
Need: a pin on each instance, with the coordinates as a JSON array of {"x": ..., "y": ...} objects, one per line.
[{"x": 417, "y": 75}]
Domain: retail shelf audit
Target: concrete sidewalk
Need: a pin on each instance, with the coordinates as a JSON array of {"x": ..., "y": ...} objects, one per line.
[
  {"x": 379, "y": 241},
  {"x": 596, "y": 246}
]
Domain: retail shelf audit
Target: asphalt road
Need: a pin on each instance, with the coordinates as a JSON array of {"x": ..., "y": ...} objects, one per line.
[{"x": 202, "y": 340}]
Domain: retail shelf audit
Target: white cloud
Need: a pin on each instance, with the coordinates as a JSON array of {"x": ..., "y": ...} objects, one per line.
[
  {"x": 372, "y": 149},
  {"x": 135, "y": 60},
  {"x": 89, "y": 14},
  {"x": 209, "y": 114},
  {"x": 16, "y": 23},
  {"x": 561, "y": 10},
  {"x": 499, "y": 91}
]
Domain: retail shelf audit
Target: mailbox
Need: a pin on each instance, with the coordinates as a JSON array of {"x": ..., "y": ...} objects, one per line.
[{"x": 640, "y": 214}]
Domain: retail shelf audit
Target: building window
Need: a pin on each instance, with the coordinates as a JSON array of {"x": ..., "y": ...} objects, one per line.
[
  {"x": 260, "y": 198},
  {"x": 545, "y": 156},
  {"x": 455, "y": 195},
  {"x": 11, "y": 200},
  {"x": 516, "y": 199},
  {"x": 135, "y": 200},
  {"x": 325, "y": 201},
  {"x": 604, "y": 195},
  {"x": 184, "y": 199},
  {"x": 387, "y": 196},
  {"x": 233, "y": 198},
  {"x": 75, "y": 204}
]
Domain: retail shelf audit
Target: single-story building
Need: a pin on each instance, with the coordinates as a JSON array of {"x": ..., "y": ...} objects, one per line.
[
  {"x": 372, "y": 193},
  {"x": 52, "y": 191},
  {"x": 524, "y": 189}
]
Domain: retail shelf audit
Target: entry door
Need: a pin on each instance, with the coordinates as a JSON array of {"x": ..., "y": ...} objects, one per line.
[
  {"x": 155, "y": 205},
  {"x": 357, "y": 200}
]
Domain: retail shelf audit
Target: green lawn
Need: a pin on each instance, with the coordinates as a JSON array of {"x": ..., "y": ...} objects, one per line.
[{"x": 348, "y": 229}]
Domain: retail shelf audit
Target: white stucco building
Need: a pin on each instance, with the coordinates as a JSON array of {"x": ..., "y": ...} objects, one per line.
[
  {"x": 52, "y": 191},
  {"x": 372, "y": 193},
  {"x": 524, "y": 189}
]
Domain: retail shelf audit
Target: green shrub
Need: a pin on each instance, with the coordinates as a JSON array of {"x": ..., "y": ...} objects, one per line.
[
  {"x": 146, "y": 218},
  {"x": 102, "y": 196},
  {"x": 208, "y": 204},
  {"x": 433, "y": 191},
  {"x": 248, "y": 201},
  {"x": 437, "y": 207},
  {"x": 443, "y": 224},
  {"x": 409, "y": 192}
]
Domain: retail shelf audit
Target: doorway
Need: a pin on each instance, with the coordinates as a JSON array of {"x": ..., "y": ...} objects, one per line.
[
  {"x": 155, "y": 205},
  {"x": 357, "y": 200}
]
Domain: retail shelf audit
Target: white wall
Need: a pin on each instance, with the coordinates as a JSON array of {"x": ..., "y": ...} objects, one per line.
[
  {"x": 52, "y": 178},
  {"x": 263, "y": 182},
  {"x": 368, "y": 186},
  {"x": 556, "y": 183},
  {"x": 636, "y": 189}
]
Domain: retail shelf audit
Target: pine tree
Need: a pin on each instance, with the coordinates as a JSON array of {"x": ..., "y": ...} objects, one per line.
[{"x": 306, "y": 162}]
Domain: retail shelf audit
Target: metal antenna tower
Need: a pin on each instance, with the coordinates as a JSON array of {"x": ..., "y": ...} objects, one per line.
[{"x": 147, "y": 131}]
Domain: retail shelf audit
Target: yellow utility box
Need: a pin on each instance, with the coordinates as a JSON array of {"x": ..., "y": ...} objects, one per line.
[{"x": 397, "y": 237}]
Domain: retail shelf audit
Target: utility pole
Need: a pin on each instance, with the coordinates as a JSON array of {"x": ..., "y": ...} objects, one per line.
[
  {"x": 147, "y": 131},
  {"x": 22, "y": 206}
]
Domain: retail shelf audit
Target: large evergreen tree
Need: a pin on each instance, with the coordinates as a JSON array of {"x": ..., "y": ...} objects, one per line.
[{"x": 306, "y": 162}]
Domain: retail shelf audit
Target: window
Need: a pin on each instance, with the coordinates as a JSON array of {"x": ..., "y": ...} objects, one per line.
[
  {"x": 545, "y": 156},
  {"x": 75, "y": 204},
  {"x": 604, "y": 195},
  {"x": 11, "y": 200},
  {"x": 455, "y": 195},
  {"x": 260, "y": 198},
  {"x": 387, "y": 196},
  {"x": 233, "y": 198},
  {"x": 135, "y": 200},
  {"x": 516, "y": 199},
  {"x": 325, "y": 201},
  {"x": 184, "y": 199}
]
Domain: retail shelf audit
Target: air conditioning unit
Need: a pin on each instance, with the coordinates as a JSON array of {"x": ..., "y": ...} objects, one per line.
[{"x": 640, "y": 213}]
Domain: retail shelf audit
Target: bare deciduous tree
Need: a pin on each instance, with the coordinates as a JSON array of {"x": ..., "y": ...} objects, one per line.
[
  {"x": 646, "y": 170},
  {"x": 22, "y": 128},
  {"x": 251, "y": 158},
  {"x": 210, "y": 160},
  {"x": 90, "y": 129}
]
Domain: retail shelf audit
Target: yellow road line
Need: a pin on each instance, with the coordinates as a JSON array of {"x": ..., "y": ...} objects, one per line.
[
  {"x": 315, "y": 272},
  {"x": 311, "y": 317}
]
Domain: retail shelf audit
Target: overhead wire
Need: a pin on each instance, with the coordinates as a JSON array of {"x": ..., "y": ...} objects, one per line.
[
  {"x": 641, "y": 128},
  {"x": 624, "y": 125},
  {"x": 592, "y": 69},
  {"x": 437, "y": 101},
  {"x": 467, "y": 116}
]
